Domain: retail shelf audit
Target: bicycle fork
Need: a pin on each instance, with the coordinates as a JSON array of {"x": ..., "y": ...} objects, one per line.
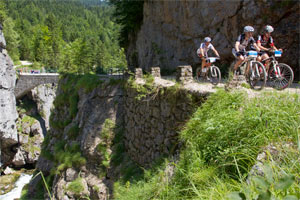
[
  {"x": 213, "y": 71},
  {"x": 255, "y": 72},
  {"x": 277, "y": 69}
]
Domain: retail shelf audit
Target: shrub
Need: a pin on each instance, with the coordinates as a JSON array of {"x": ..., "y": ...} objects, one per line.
[{"x": 76, "y": 186}]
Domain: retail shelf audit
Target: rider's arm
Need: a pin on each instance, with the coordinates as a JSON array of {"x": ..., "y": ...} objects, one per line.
[
  {"x": 215, "y": 51},
  {"x": 259, "y": 38},
  {"x": 236, "y": 46},
  {"x": 256, "y": 46},
  {"x": 271, "y": 42},
  {"x": 261, "y": 47},
  {"x": 202, "y": 52}
]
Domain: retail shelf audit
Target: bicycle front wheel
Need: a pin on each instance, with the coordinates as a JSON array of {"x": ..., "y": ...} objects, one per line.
[
  {"x": 282, "y": 77},
  {"x": 257, "y": 76},
  {"x": 214, "y": 75}
]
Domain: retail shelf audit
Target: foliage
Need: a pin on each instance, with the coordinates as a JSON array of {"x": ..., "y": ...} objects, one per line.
[
  {"x": 66, "y": 156},
  {"x": 12, "y": 38},
  {"x": 69, "y": 36},
  {"x": 143, "y": 90},
  {"x": 7, "y": 182},
  {"x": 76, "y": 186},
  {"x": 129, "y": 14},
  {"x": 73, "y": 132},
  {"x": 106, "y": 134},
  {"x": 88, "y": 82}
]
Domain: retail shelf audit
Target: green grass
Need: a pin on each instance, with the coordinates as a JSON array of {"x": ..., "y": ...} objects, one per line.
[
  {"x": 143, "y": 90},
  {"x": 76, "y": 186},
  {"x": 7, "y": 182},
  {"x": 221, "y": 143},
  {"x": 66, "y": 156},
  {"x": 88, "y": 82}
]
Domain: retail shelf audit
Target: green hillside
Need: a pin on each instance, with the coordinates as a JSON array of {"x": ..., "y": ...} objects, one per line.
[{"x": 70, "y": 36}]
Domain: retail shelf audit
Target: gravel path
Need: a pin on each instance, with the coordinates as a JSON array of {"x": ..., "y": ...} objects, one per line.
[{"x": 206, "y": 87}]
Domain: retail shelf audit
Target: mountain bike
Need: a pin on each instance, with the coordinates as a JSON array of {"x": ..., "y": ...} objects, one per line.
[
  {"x": 280, "y": 75},
  {"x": 211, "y": 73},
  {"x": 255, "y": 71}
]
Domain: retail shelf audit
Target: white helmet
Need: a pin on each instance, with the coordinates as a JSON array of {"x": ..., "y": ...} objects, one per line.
[
  {"x": 248, "y": 29},
  {"x": 268, "y": 29},
  {"x": 207, "y": 39}
]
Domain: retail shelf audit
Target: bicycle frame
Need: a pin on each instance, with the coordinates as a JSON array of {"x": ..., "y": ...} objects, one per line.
[
  {"x": 248, "y": 62},
  {"x": 213, "y": 72},
  {"x": 275, "y": 66}
]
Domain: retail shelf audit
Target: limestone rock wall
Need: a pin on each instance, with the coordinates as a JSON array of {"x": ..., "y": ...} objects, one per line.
[
  {"x": 173, "y": 30},
  {"x": 85, "y": 130},
  {"x": 44, "y": 96},
  {"x": 8, "y": 112}
]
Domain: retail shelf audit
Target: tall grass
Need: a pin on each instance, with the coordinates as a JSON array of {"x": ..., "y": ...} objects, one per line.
[{"x": 222, "y": 141}]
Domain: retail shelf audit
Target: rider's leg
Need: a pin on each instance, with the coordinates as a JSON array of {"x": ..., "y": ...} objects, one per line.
[
  {"x": 207, "y": 68},
  {"x": 203, "y": 66},
  {"x": 238, "y": 62},
  {"x": 267, "y": 62}
]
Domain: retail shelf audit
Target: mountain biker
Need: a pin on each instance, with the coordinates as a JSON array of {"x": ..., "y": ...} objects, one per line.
[
  {"x": 202, "y": 53},
  {"x": 244, "y": 40},
  {"x": 265, "y": 44}
]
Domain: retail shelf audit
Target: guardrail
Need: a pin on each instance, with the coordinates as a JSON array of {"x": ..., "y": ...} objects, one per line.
[
  {"x": 109, "y": 71},
  {"x": 35, "y": 71}
]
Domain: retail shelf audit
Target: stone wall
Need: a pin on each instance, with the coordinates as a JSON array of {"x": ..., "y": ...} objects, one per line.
[{"x": 152, "y": 123}]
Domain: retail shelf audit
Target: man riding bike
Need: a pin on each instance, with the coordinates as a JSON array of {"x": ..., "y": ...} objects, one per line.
[
  {"x": 265, "y": 44},
  {"x": 202, "y": 53},
  {"x": 244, "y": 40}
]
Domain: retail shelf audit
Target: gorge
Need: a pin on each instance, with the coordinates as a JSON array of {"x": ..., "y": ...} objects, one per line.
[{"x": 147, "y": 136}]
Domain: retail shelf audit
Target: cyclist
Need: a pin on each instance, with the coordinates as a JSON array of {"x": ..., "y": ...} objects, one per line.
[
  {"x": 244, "y": 40},
  {"x": 202, "y": 53},
  {"x": 265, "y": 44}
]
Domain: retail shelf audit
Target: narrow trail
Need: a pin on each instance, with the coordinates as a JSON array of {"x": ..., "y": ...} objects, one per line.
[{"x": 206, "y": 87}]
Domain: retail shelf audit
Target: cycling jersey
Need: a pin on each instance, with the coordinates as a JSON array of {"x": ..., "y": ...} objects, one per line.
[
  {"x": 265, "y": 42},
  {"x": 206, "y": 48},
  {"x": 244, "y": 43}
]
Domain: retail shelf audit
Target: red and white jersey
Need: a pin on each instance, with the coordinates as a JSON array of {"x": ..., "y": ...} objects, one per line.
[{"x": 265, "y": 42}]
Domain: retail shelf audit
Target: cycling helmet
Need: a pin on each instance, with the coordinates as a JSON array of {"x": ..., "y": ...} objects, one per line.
[
  {"x": 207, "y": 39},
  {"x": 268, "y": 29},
  {"x": 248, "y": 29}
]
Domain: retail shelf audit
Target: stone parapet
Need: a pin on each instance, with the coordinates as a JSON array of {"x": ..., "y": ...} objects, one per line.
[
  {"x": 155, "y": 72},
  {"x": 184, "y": 73},
  {"x": 138, "y": 73}
]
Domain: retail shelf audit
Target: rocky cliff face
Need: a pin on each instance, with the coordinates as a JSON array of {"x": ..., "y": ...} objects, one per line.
[
  {"x": 44, "y": 96},
  {"x": 173, "y": 30},
  {"x": 95, "y": 134},
  {"x": 8, "y": 112},
  {"x": 77, "y": 149},
  {"x": 21, "y": 137}
]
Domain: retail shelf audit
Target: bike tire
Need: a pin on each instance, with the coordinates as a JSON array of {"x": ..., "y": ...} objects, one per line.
[
  {"x": 286, "y": 79},
  {"x": 215, "y": 79},
  {"x": 257, "y": 80}
]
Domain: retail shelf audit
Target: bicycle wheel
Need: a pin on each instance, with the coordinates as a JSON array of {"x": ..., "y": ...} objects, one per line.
[
  {"x": 214, "y": 75},
  {"x": 257, "y": 76},
  {"x": 282, "y": 79}
]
